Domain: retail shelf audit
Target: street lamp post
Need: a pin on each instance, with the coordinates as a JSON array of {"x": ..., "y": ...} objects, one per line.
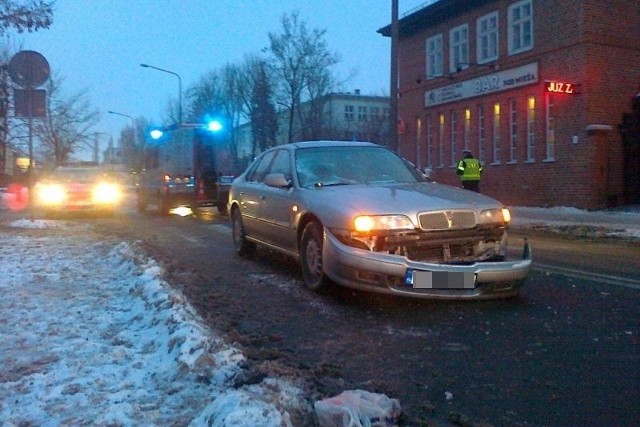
[{"x": 179, "y": 88}]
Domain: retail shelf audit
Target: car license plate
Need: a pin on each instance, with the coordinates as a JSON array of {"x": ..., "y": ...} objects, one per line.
[{"x": 418, "y": 279}]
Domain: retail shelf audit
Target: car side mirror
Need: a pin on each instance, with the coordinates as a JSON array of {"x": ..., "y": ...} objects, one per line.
[{"x": 278, "y": 180}]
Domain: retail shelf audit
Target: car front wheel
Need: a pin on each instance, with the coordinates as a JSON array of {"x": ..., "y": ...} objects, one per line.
[
  {"x": 240, "y": 243},
  {"x": 311, "y": 257}
]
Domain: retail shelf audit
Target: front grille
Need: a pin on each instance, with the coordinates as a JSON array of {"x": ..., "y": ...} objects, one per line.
[
  {"x": 444, "y": 246},
  {"x": 442, "y": 253},
  {"x": 447, "y": 220}
]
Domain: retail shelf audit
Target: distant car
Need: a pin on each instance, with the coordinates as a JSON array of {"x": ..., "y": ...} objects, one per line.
[
  {"x": 78, "y": 188},
  {"x": 357, "y": 214}
]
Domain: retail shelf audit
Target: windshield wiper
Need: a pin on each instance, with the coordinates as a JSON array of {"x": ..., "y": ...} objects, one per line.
[{"x": 329, "y": 184}]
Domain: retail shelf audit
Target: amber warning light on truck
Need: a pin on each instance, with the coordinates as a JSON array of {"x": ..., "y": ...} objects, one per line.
[{"x": 561, "y": 87}]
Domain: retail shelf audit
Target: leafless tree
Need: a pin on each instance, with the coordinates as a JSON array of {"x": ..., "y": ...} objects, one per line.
[
  {"x": 132, "y": 144},
  {"x": 28, "y": 15},
  {"x": 301, "y": 63},
  {"x": 67, "y": 125}
]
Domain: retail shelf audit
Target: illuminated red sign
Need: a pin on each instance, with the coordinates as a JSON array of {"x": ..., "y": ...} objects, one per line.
[{"x": 560, "y": 87}]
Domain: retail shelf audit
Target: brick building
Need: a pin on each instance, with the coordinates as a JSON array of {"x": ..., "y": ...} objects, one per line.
[{"x": 536, "y": 89}]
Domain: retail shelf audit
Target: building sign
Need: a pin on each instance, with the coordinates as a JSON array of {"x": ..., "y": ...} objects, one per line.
[
  {"x": 560, "y": 87},
  {"x": 490, "y": 83}
]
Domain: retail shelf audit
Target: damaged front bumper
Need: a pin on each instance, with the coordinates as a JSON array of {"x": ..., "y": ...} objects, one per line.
[{"x": 398, "y": 275}]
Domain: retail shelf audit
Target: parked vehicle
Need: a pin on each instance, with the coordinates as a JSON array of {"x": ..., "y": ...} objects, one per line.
[
  {"x": 356, "y": 214},
  {"x": 78, "y": 188},
  {"x": 186, "y": 167}
]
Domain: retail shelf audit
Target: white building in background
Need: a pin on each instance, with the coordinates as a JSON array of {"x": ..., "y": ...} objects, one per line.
[{"x": 346, "y": 116}]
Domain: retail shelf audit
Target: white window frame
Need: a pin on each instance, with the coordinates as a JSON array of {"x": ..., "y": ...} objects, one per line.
[
  {"x": 481, "y": 133},
  {"x": 487, "y": 38},
  {"x": 434, "y": 56},
  {"x": 551, "y": 128},
  {"x": 513, "y": 130},
  {"x": 349, "y": 112},
  {"x": 531, "y": 129},
  {"x": 362, "y": 113},
  {"x": 497, "y": 143},
  {"x": 441, "y": 124},
  {"x": 454, "y": 137},
  {"x": 521, "y": 27},
  {"x": 429, "y": 136},
  {"x": 459, "y": 48},
  {"x": 467, "y": 128}
]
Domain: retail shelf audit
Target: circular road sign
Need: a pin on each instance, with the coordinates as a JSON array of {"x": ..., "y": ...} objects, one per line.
[{"x": 28, "y": 68}]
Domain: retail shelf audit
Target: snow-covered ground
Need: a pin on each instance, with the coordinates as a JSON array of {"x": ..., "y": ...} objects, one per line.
[
  {"x": 622, "y": 222},
  {"x": 91, "y": 335}
]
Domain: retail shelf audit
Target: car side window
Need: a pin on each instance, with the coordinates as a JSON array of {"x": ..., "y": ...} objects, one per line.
[
  {"x": 282, "y": 164},
  {"x": 261, "y": 169}
]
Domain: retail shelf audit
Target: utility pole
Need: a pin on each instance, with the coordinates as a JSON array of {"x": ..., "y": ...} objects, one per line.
[{"x": 394, "y": 77}]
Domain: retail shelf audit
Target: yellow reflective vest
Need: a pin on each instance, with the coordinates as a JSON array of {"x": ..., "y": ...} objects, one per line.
[{"x": 469, "y": 169}]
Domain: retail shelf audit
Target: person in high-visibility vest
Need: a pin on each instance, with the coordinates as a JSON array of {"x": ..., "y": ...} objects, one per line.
[{"x": 470, "y": 171}]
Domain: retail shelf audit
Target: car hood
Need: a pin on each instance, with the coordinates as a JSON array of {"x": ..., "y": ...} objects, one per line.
[{"x": 337, "y": 205}]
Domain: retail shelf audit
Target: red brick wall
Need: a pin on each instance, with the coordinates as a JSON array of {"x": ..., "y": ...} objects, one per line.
[{"x": 589, "y": 42}]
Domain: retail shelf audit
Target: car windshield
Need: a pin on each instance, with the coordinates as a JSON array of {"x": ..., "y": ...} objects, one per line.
[
  {"x": 79, "y": 175},
  {"x": 324, "y": 166}
]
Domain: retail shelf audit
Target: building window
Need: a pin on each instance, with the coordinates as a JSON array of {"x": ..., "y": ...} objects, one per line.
[
  {"x": 520, "y": 27},
  {"x": 459, "y": 48},
  {"x": 454, "y": 138},
  {"x": 496, "y": 134},
  {"x": 441, "y": 141},
  {"x": 531, "y": 134},
  {"x": 386, "y": 114},
  {"x": 429, "y": 136},
  {"x": 374, "y": 113},
  {"x": 487, "y": 38},
  {"x": 481, "y": 133},
  {"x": 362, "y": 114},
  {"x": 434, "y": 56},
  {"x": 349, "y": 112},
  {"x": 467, "y": 128},
  {"x": 551, "y": 129},
  {"x": 513, "y": 130}
]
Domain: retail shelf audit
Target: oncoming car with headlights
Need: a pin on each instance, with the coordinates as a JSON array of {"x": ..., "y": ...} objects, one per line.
[
  {"x": 78, "y": 188},
  {"x": 356, "y": 214}
]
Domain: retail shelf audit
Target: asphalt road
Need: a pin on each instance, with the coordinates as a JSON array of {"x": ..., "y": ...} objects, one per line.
[{"x": 565, "y": 353}]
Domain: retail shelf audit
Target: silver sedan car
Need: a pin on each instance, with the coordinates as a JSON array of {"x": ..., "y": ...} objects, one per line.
[{"x": 357, "y": 214}]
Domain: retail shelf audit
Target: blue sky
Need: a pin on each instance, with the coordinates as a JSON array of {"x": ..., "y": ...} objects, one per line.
[{"x": 98, "y": 45}]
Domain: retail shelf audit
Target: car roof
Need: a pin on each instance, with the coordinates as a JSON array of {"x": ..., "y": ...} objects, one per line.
[{"x": 332, "y": 143}]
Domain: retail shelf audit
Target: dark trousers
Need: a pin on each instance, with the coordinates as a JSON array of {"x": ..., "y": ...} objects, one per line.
[{"x": 471, "y": 185}]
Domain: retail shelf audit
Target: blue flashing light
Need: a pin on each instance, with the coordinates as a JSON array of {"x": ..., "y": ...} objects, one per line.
[
  {"x": 156, "y": 133},
  {"x": 214, "y": 126}
]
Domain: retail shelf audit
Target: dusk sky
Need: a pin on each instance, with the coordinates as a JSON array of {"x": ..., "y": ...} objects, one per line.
[{"x": 98, "y": 45}]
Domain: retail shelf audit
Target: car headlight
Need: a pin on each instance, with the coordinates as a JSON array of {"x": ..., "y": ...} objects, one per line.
[
  {"x": 51, "y": 194},
  {"x": 106, "y": 193},
  {"x": 495, "y": 216},
  {"x": 366, "y": 223}
]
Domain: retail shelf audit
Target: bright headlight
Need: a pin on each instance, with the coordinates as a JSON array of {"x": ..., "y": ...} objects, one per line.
[
  {"x": 106, "y": 193},
  {"x": 495, "y": 216},
  {"x": 366, "y": 223},
  {"x": 51, "y": 194}
]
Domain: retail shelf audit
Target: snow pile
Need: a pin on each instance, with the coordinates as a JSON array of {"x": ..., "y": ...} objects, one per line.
[
  {"x": 91, "y": 334},
  {"x": 622, "y": 222}
]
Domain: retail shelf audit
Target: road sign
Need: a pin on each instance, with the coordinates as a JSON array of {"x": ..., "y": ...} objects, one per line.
[
  {"x": 30, "y": 102},
  {"x": 28, "y": 68}
]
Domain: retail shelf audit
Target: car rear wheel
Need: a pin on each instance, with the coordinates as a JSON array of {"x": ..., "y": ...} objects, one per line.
[
  {"x": 311, "y": 257},
  {"x": 242, "y": 246}
]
